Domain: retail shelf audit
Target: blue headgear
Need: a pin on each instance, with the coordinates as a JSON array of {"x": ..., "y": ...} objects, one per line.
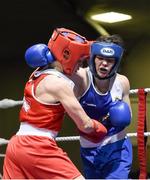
[{"x": 108, "y": 50}]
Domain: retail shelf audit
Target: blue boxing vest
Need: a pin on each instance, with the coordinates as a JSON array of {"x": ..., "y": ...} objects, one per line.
[{"x": 96, "y": 104}]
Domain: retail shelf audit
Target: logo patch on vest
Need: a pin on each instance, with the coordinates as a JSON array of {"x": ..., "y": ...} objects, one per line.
[{"x": 26, "y": 105}]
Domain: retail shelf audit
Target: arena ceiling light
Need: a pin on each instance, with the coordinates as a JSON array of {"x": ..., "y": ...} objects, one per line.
[{"x": 111, "y": 17}]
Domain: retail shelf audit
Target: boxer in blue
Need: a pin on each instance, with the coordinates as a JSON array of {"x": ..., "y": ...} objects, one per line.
[{"x": 104, "y": 95}]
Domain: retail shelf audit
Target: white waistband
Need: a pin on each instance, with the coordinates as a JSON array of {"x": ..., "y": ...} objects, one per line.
[
  {"x": 107, "y": 140},
  {"x": 28, "y": 129}
]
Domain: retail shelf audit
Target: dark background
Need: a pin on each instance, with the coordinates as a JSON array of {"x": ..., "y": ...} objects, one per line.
[{"x": 24, "y": 23}]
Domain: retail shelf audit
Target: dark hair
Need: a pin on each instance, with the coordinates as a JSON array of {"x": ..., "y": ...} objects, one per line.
[{"x": 115, "y": 38}]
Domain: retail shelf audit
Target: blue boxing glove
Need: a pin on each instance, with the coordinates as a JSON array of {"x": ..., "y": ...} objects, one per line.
[
  {"x": 120, "y": 114},
  {"x": 38, "y": 55}
]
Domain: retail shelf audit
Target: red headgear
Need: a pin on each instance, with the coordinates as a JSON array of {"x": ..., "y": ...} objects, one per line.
[{"x": 68, "y": 48}]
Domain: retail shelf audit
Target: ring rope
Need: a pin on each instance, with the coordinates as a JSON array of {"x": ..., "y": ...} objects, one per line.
[
  {"x": 74, "y": 138},
  {"x": 141, "y": 128},
  {"x": 69, "y": 138},
  {"x": 8, "y": 103}
]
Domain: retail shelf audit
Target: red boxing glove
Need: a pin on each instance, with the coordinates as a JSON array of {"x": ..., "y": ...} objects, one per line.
[{"x": 97, "y": 134}]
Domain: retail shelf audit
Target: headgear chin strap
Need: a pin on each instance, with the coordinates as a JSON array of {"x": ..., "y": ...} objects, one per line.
[
  {"x": 68, "y": 48},
  {"x": 106, "y": 50}
]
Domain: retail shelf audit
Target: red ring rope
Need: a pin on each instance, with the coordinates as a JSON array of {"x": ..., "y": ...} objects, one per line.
[{"x": 140, "y": 134}]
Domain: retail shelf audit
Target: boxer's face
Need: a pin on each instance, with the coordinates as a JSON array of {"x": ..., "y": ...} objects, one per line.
[{"x": 103, "y": 65}]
